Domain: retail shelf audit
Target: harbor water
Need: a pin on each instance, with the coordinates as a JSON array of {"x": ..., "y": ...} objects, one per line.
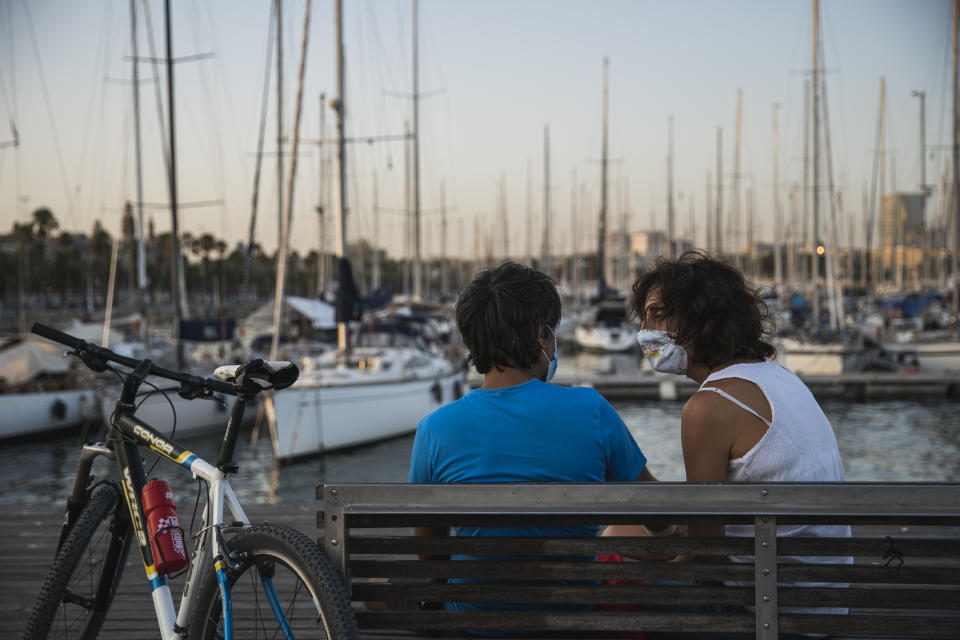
[{"x": 898, "y": 440}]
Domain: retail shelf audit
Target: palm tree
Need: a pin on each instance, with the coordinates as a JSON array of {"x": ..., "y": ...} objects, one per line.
[{"x": 44, "y": 222}]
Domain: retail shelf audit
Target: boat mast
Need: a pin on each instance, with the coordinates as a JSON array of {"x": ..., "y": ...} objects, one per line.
[
  {"x": 375, "y": 275},
  {"x": 444, "y": 259},
  {"x": 671, "y": 231},
  {"x": 708, "y": 210},
  {"x": 814, "y": 257},
  {"x": 956, "y": 164},
  {"x": 340, "y": 109},
  {"x": 805, "y": 189},
  {"x": 718, "y": 221},
  {"x": 834, "y": 286},
  {"x": 879, "y": 164},
  {"x": 141, "y": 249},
  {"x": 777, "y": 216},
  {"x": 602, "y": 232},
  {"x": 417, "y": 266},
  {"x": 735, "y": 209},
  {"x": 172, "y": 177},
  {"x": 504, "y": 220},
  {"x": 279, "y": 12},
  {"x": 545, "y": 249},
  {"x": 321, "y": 204},
  {"x": 287, "y": 215},
  {"x": 924, "y": 274},
  {"x": 407, "y": 213},
  {"x": 529, "y": 220}
]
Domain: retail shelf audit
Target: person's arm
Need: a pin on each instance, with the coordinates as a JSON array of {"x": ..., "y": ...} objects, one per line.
[{"x": 706, "y": 434}]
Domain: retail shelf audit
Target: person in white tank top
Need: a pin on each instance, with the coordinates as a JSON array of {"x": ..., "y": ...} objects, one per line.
[{"x": 751, "y": 420}]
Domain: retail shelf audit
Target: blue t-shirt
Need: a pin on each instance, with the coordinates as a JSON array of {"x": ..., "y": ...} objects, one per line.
[{"x": 530, "y": 432}]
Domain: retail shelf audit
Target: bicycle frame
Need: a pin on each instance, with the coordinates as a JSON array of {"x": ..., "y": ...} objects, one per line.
[{"x": 127, "y": 435}]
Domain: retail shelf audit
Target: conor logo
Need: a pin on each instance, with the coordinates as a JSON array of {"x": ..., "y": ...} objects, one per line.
[{"x": 159, "y": 444}]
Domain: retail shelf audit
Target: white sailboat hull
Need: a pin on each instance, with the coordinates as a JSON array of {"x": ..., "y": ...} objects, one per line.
[
  {"x": 23, "y": 414},
  {"x": 317, "y": 418},
  {"x": 194, "y": 417},
  {"x": 820, "y": 359},
  {"x": 605, "y": 339},
  {"x": 930, "y": 357}
]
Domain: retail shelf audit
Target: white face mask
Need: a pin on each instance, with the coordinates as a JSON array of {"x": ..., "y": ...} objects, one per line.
[{"x": 665, "y": 355}]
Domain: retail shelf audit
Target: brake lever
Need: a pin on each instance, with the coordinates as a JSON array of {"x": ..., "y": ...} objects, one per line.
[
  {"x": 191, "y": 391},
  {"x": 94, "y": 361}
]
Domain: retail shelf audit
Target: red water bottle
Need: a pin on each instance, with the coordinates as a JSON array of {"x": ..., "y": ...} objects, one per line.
[{"x": 169, "y": 554}]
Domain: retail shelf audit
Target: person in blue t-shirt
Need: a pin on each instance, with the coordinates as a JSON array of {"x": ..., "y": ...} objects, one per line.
[{"x": 517, "y": 427}]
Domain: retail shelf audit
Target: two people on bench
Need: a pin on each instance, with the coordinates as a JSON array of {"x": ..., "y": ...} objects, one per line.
[{"x": 751, "y": 420}]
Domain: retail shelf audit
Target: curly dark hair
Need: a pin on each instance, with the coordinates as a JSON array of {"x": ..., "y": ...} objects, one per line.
[
  {"x": 503, "y": 312},
  {"x": 711, "y": 307}
]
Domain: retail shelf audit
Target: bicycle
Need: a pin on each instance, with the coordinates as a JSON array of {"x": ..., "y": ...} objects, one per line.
[{"x": 242, "y": 580}]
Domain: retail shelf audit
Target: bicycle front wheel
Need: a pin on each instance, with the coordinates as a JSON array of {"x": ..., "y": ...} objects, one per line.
[
  {"x": 283, "y": 586},
  {"x": 83, "y": 579}
]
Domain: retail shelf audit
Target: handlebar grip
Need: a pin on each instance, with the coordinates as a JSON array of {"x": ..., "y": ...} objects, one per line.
[{"x": 57, "y": 336}]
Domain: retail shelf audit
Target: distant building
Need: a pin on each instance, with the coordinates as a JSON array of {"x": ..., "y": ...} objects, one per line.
[
  {"x": 647, "y": 246},
  {"x": 901, "y": 236},
  {"x": 901, "y": 220}
]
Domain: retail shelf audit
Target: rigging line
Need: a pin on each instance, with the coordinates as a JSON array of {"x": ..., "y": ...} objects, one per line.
[
  {"x": 53, "y": 124},
  {"x": 938, "y": 158},
  {"x": 248, "y": 255},
  {"x": 18, "y": 156},
  {"x": 218, "y": 172},
  {"x": 13, "y": 62},
  {"x": 828, "y": 32},
  {"x": 161, "y": 125},
  {"x": 393, "y": 178},
  {"x": 100, "y": 173},
  {"x": 451, "y": 164},
  {"x": 402, "y": 30},
  {"x": 99, "y": 72},
  {"x": 225, "y": 89}
]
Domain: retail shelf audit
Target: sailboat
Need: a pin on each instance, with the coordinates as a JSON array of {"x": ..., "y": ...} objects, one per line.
[
  {"x": 350, "y": 397},
  {"x": 604, "y": 327}
]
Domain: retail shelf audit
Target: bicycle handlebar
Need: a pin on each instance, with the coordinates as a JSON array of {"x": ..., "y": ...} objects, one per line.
[{"x": 82, "y": 347}]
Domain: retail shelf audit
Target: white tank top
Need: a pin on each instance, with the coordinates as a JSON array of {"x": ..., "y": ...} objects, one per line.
[{"x": 799, "y": 446}]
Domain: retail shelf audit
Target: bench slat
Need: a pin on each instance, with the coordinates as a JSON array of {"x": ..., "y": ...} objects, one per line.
[
  {"x": 909, "y": 548},
  {"x": 558, "y": 594},
  {"x": 535, "y": 570},
  {"x": 893, "y": 598},
  {"x": 915, "y": 626},
  {"x": 558, "y": 620},
  {"x": 408, "y": 519},
  {"x": 704, "y": 571}
]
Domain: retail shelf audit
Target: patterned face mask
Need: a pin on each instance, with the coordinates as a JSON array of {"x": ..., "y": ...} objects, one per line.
[{"x": 665, "y": 355}]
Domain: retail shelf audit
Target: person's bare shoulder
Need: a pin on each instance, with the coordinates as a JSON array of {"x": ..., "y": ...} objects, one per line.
[{"x": 746, "y": 392}]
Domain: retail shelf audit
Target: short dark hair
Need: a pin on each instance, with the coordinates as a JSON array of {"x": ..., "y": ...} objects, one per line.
[
  {"x": 503, "y": 312},
  {"x": 711, "y": 307}
]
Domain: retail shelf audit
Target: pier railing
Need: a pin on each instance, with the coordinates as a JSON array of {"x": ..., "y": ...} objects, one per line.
[{"x": 904, "y": 582}]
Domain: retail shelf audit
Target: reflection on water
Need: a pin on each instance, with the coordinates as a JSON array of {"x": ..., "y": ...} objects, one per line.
[{"x": 879, "y": 441}]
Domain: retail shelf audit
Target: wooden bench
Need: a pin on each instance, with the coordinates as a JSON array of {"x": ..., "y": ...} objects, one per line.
[{"x": 905, "y": 581}]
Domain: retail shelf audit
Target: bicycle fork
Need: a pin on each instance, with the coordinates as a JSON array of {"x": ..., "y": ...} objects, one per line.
[{"x": 265, "y": 572}]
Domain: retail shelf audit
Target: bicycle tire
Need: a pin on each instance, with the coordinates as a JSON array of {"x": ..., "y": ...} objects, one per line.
[
  {"x": 85, "y": 564},
  {"x": 292, "y": 560}
]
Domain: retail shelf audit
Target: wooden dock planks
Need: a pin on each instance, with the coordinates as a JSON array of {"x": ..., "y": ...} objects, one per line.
[{"x": 28, "y": 537}]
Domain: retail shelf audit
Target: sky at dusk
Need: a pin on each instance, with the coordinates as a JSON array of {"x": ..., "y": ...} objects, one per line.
[{"x": 498, "y": 72}]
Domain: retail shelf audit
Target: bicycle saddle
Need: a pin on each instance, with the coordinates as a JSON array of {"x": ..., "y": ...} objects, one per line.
[{"x": 278, "y": 374}]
